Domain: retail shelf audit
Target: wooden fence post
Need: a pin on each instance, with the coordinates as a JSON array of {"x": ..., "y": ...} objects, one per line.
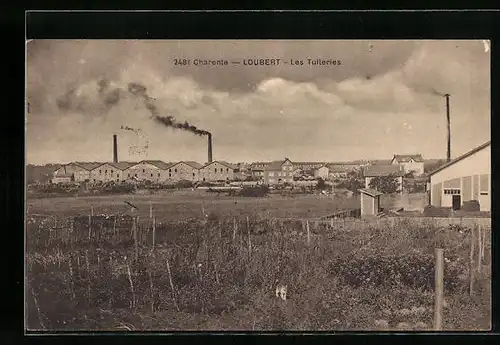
[
  {"x": 154, "y": 232},
  {"x": 479, "y": 248},
  {"x": 308, "y": 233},
  {"x": 438, "y": 290},
  {"x": 134, "y": 230},
  {"x": 471, "y": 263}
]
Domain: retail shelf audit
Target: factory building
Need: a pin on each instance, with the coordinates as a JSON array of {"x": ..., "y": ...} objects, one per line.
[
  {"x": 150, "y": 170},
  {"x": 75, "y": 171},
  {"x": 465, "y": 178},
  {"x": 218, "y": 171},
  {"x": 185, "y": 170}
]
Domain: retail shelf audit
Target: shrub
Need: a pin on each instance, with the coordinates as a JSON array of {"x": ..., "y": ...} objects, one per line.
[
  {"x": 258, "y": 191},
  {"x": 432, "y": 211},
  {"x": 471, "y": 206}
]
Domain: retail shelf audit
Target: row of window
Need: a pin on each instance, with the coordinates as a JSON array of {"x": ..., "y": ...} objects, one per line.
[
  {"x": 271, "y": 173},
  {"x": 169, "y": 170},
  {"x": 452, "y": 191}
]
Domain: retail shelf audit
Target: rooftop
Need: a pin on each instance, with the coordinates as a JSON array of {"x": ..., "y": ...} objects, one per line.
[
  {"x": 465, "y": 155},
  {"x": 407, "y": 158},
  {"x": 383, "y": 170}
]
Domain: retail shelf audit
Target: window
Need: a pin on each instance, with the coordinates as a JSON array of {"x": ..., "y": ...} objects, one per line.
[
  {"x": 484, "y": 193},
  {"x": 169, "y": 170},
  {"x": 193, "y": 174},
  {"x": 128, "y": 175},
  {"x": 151, "y": 174},
  {"x": 175, "y": 170},
  {"x": 135, "y": 175},
  {"x": 143, "y": 171},
  {"x": 452, "y": 191},
  {"x": 117, "y": 175},
  {"x": 94, "y": 180},
  {"x": 227, "y": 169},
  {"x": 169, "y": 174},
  {"x": 117, "y": 180},
  {"x": 111, "y": 170},
  {"x": 100, "y": 171},
  {"x": 215, "y": 169},
  {"x": 106, "y": 171},
  {"x": 158, "y": 174}
]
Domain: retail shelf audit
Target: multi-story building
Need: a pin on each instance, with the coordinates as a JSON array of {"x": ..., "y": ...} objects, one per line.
[
  {"x": 279, "y": 172},
  {"x": 410, "y": 163},
  {"x": 219, "y": 171}
]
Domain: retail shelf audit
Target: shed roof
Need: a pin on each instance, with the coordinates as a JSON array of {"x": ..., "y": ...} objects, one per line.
[
  {"x": 465, "y": 155},
  {"x": 383, "y": 170},
  {"x": 370, "y": 192}
]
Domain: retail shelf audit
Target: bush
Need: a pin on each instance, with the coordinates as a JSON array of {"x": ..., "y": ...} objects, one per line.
[
  {"x": 471, "y": 206},
  {"x": 259, "y": 191},
  {"x": 432, "y": 211},
  {"x": 184, "y": 184}
]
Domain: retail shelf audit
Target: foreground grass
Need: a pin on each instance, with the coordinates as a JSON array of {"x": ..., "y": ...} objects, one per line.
[{"x": 224, "y": 278}]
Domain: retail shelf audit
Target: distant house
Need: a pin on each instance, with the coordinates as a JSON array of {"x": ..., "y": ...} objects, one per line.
[
  {"x": 219, "y": 171},
  {"x": 410, "y": 163},
  {"x": 279, "y": 172},
  {"x": 384, "y": 170},
  {"x": 322, "y": 172},
  {"x": 308, "y": 165},
  {"x": 185, "y": 170},
  {"x": 338, "y": 171},
  {"x": 257, "y": 169}
]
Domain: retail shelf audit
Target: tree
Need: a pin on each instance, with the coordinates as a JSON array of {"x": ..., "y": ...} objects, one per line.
[
  {"x": 321, "y": 184},
  {"x": 385, "y": 184}
]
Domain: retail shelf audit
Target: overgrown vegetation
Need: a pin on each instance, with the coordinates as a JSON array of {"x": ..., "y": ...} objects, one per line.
[
  {"x": 385, "y": 184},
  {"x": 222, "y": 274}
]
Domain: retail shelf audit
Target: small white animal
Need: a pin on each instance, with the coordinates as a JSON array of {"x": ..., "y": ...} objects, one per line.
[{"x": 281, "y": 292}]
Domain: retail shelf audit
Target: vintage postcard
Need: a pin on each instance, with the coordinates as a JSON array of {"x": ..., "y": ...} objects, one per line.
[{"x": 258, "y": 185}]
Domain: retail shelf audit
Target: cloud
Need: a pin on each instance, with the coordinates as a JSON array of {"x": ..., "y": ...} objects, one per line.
[{"x": 333, "y": 114}]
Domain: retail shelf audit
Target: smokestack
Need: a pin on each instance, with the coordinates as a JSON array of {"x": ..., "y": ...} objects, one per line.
[
  {"x": 115, "y": 149},
  {"x": 448, "y": 147},
  {"x": 209, "y": 147}
]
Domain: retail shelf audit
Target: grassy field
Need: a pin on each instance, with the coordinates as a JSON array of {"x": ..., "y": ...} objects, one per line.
[
  {"x": 178, "y": 205},
  {"x": 221, "y": 276}
]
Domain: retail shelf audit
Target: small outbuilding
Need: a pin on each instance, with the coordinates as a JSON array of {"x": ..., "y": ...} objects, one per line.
[{"x": 370, "y": 202}]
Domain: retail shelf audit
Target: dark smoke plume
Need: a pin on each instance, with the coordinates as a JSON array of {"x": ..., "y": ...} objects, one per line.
[{"x": 169, "y": 121}]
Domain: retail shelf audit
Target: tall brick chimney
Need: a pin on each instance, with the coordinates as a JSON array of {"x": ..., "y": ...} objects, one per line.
[
  {"x": 448, "y": 143},
  {"x": 115, "y": 149},
  {"x": 209, "y": 147}
]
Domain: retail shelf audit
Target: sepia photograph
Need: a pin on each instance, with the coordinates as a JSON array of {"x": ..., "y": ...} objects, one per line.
[{"x": 257, "y": 185}]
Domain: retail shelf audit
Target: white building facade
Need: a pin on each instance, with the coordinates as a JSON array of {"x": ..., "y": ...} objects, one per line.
[{"x": 465, "y": 178}]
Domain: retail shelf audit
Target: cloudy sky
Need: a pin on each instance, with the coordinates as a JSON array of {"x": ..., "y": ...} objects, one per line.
[{"x": 384, "y": 98}]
